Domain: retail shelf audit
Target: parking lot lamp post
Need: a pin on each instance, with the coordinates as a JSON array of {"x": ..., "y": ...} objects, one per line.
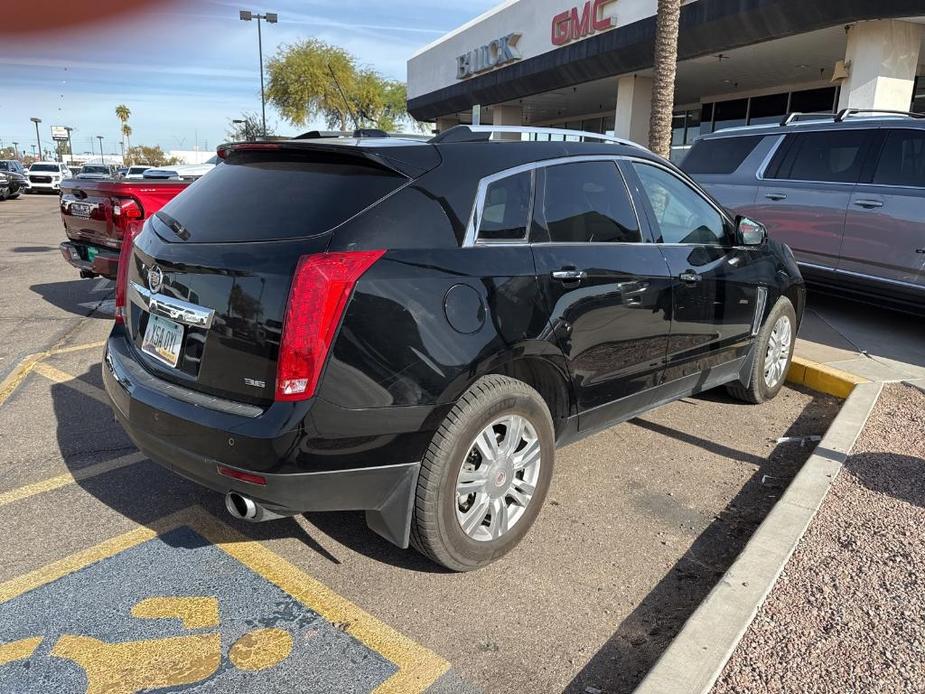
[
  {"x": 100, "y": 138},
  {"x": 38, "y": 138},
  {"x": 272, "y": 18}
]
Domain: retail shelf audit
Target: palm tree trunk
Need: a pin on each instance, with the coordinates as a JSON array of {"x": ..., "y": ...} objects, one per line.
[{"x": 666, "y": 68}]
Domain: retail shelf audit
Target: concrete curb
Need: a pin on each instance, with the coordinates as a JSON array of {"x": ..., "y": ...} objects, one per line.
[
  {"x": 823, "y": 378},
  {"x": 697, "y": 656}
]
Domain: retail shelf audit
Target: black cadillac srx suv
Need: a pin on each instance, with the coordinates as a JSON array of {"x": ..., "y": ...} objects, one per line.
[{"x": 411, "y": 328}]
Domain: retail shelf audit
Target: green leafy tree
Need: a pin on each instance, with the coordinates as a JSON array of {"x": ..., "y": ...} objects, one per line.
[
  {"x": 154, "y": 156},
  {"x": 248, "y": 129},
  {"x": 312, "y": 79}
]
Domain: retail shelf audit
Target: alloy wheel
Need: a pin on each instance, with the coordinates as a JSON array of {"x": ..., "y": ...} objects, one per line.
[
  {"x": 778, "y": 354},
  {"x": 498, "y": 478}
]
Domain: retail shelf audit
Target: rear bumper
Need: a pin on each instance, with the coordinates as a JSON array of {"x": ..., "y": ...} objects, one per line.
[
  {"x": 106, "y": 262},
  {"x": 178, "y": 429}
]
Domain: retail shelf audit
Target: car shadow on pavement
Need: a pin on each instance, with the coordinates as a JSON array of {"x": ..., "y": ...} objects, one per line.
[
  {"x": 33, "y": 249},
  {"x": 87, "y": 434},
  {"x": 621, "y": 663},
  {"x": 79, "y": 296}
]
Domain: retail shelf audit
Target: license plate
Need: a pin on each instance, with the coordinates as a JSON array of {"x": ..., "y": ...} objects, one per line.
[
  {"x": 163, "y": 340},
  {"x": 80, "y": 209}
]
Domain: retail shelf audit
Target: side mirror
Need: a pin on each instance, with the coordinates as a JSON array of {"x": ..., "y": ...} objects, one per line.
[{"x": 750, "y": 232}]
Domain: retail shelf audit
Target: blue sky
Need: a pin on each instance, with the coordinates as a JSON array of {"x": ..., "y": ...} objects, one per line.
[{"x": 186, "y": 68}]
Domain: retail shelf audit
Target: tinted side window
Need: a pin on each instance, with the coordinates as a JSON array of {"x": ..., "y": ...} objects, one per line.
[
  {"x": 588, "y": 201},
  {"x": 681, "y": 213},
  {"x": 821, "y": 156},
  {"x": 902, "y": 160},
  {"x": 506, "y": 208},
  {"x": 722, "y": 156}
]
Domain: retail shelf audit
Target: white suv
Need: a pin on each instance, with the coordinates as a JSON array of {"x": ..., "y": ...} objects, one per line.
[{"x": 47, "y": 176}]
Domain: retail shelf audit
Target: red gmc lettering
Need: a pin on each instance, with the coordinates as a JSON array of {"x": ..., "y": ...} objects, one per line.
[{"x": 572, "y": 25}]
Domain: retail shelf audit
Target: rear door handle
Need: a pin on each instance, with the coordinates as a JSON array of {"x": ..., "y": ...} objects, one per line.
[
  {"x": 868, "y": 204},
  {"x": 690, "y": 276},
  {"x": 776, "y": 196},
  {"x": 571, "y": 275}
]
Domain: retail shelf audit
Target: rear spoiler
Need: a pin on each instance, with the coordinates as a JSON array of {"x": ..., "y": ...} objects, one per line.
[{"x": 410, "y": 160}]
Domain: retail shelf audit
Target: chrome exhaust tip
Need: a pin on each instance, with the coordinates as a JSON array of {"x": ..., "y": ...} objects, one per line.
[{"x": 241, "y": 507}]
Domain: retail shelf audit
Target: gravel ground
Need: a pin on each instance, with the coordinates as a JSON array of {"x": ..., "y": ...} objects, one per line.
[{"x": 848, "y": 614}]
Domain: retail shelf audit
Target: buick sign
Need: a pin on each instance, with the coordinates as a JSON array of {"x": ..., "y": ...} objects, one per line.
[{"x": 493, "y": 54}]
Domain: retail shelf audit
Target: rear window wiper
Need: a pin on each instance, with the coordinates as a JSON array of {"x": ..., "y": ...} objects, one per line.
[{"x": 173, "y": 225}]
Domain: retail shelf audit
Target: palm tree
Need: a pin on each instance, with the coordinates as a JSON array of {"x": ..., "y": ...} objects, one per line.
[
  {"x": 666, "y": 67},
  {"x": 122, "y": 113}
]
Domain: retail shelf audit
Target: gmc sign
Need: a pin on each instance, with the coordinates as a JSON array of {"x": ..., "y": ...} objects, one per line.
[{"x": 572, "y": 25}]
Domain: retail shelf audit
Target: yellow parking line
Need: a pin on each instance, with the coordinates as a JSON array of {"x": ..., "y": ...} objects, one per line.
[
  {"x": 77, "y": 348},
  {"x": 67, "y": 478},
  {"x": 58, "y": 376},
  {"x": 418, "y": 667},
  {"x": 25, "y": 367}
]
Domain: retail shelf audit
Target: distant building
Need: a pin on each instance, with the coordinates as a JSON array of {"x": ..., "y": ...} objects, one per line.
[
  {"x": 192, "y": 156},
  {"x": 587, "y": 64}
]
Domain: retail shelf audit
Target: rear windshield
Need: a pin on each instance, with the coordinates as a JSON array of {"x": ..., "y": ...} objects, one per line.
[
  {"x": 44, "y": 167},
  {"x": 260, "y": 197},
  {"x": 94, "y": 169},
  {"x": 720, "y": 156}
]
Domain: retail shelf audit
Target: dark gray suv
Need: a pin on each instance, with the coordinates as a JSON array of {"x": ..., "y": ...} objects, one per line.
[{"x": 846, "y": 192}]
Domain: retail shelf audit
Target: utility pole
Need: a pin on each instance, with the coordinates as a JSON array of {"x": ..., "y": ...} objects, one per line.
[
  {"x": 271, "y": 18},
  {"x": 100, "y": 138},
  {"x": 38, "y": 138}
]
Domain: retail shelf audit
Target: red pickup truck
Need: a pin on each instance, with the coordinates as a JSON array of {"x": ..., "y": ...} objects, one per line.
[{"x": 98, "y": 214}]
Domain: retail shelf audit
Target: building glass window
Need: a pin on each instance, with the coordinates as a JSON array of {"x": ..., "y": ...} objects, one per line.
[
  {"x": 730, "y": 114},
  {"x": 813, "y": 100},
  {"x": 768, "y": 109}
]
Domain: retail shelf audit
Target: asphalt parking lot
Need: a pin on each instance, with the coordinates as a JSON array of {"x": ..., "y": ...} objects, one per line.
[{"x": 118, "y": 576}]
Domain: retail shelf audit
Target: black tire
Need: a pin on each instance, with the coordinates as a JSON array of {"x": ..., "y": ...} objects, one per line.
[
  {"x": 435, "y": 530},
  {"x": 758, "y": 390}
]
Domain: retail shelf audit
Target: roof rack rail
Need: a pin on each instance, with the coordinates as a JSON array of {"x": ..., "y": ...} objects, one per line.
[
  {"x": 797, "y": 115},
  {"x": 483, "y": 133},
  {"x": 845, "y": 113}
]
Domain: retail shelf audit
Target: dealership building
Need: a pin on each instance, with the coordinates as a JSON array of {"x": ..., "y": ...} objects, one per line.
[{"x": 587, "y": 65}]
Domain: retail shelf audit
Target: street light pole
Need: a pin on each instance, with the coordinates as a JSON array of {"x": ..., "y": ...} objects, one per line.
[
  {"x": 38, "y": 138},
  {"x": 100, "y": 138},
  {"x": 271, "y": 18}
]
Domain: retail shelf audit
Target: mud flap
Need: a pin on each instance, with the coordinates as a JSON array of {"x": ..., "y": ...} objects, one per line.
[{"x": 392, "y": 518}]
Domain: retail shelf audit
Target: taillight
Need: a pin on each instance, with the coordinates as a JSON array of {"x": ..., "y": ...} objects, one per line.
[
  {"x": 320, "y": 290},
  {"x": 125, "y": 257},
  {"x": 127, "y": 215}
]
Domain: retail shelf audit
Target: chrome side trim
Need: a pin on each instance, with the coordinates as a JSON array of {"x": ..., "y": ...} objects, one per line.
[
  {"x": 174, "y": 309},
  {"x": 759, "y": 172},
  {"x": 760, "y": 302}
]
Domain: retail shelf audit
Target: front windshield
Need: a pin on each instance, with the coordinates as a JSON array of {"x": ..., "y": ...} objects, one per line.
[{"x": 44, "y": 167}]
